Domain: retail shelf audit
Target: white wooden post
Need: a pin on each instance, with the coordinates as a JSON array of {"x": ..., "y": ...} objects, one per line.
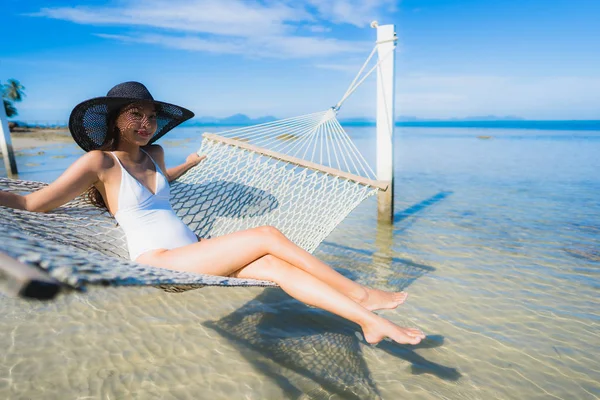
[
  {"x": 386, "y": 37},
  {"x": 6, "y": 144}
]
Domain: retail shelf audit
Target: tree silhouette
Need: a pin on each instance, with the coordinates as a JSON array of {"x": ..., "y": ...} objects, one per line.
[{"x": 12, "y": 92}]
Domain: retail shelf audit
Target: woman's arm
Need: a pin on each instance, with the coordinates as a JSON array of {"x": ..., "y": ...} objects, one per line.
[
  {"x": 173, "y": 173},
  {"x": 191, "y": 161},
  {"x": 82, "y": 174}
]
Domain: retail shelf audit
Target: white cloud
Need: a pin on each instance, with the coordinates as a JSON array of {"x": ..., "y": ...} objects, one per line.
[
  {"x": 266, "y": 29},
  {"x": 230, "y": 18},
  {"x": 184, "y": 43},
  {"x": 268, "y": 46},
  {"x": 318, "y": 28}
]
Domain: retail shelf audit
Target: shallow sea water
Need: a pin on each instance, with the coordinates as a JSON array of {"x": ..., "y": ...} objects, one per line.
[{"x": 496, "y": 240}]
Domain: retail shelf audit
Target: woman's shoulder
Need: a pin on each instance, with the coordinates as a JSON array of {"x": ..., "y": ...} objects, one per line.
[
  {"x": 155, "y": 151},
  {"x": 98, "y": 160}
]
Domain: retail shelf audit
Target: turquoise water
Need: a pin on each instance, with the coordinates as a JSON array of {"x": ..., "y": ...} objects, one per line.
[{"x": 497, "y": 241}]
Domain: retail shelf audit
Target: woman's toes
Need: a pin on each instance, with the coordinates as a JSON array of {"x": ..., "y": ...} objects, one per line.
[
  {"x": 415, "y": 340},
  {"x": 401, "y": 296},
  {"x": 416, "y": 332}
]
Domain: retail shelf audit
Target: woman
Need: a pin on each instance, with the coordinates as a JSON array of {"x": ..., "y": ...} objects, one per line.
[{"x": 123, "y": 172}]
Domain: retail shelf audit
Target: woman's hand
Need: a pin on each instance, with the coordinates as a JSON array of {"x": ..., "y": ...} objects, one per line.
[
  {"x": 194, "y": 159},
  {"x": 190, "y": 162}
]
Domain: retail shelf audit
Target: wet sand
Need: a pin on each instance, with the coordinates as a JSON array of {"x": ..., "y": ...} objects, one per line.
[{"x": 34, "y": 138}]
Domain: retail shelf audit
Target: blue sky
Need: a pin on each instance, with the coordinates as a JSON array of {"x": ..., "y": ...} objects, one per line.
[{"x": 538, "y": 59}]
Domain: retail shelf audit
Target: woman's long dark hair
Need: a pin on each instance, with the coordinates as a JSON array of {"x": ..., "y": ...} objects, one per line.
[{"x": 93, "y": 195}]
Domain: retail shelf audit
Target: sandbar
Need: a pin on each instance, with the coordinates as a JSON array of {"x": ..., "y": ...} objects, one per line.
[{"x": 32, "y": 138}]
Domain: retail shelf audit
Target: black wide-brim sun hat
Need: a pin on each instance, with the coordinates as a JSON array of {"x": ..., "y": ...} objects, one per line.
[{"x": 88, "y": 122}]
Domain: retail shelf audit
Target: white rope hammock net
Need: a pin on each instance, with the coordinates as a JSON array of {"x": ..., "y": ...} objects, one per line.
[
  {"x": 302, "y": 175},
  {"x": 304, "y": 192}
]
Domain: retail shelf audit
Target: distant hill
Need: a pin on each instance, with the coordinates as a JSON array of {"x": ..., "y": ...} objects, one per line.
[
  {"x": 357, "y": 121},
  {"x": 490, "y": 118},
  {"x": 233, "y": 120},
  {"x": 400, "y": 120}
]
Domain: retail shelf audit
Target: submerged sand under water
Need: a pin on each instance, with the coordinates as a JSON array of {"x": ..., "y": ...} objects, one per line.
[{"x": 498, "y": 252}]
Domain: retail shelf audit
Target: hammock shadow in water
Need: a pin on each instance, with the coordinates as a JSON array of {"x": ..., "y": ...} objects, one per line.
[
  {"x": 304, "y": 350},
  {"x": 200, "y": 205},
  {"x": 308, "y": 351}
]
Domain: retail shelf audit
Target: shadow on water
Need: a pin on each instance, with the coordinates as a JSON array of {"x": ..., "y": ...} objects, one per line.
[
  {"x": 420, "y": 365},
  {"x": 416, "y": 208}
]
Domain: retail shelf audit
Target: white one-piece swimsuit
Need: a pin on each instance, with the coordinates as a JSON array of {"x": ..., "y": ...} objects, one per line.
[{"x": 147, "y": 219}]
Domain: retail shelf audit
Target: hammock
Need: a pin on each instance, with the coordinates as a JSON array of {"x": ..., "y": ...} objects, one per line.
[{"x": 302, "y": 175}]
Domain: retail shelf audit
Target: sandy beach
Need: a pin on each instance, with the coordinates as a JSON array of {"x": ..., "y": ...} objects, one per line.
[{"x": 34, "y": 137}]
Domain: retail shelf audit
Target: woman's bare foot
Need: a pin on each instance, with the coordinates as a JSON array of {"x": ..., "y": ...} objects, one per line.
[
  {"x": 381, "y": 328},
  {"x": 376, "y": 299}
]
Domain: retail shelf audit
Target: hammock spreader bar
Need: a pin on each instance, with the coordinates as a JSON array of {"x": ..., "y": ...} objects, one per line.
[{"x": 382, "y": 185}]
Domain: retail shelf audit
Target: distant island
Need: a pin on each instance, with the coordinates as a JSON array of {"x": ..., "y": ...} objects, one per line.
[
  {"x": 403, "y": 118},
  {"x": 244, "y": 120},
  {"x": 234, "y": 120}
]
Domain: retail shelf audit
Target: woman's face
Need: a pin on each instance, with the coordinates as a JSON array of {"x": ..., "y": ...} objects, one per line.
[{"x": 137, "y": 123}]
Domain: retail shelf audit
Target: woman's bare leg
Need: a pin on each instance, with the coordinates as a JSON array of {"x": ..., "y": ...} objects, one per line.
[
  {"x": 312, "y": 291},
  {"x": 231, "y": 252},
  {"x": 372, "y": 299}
]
